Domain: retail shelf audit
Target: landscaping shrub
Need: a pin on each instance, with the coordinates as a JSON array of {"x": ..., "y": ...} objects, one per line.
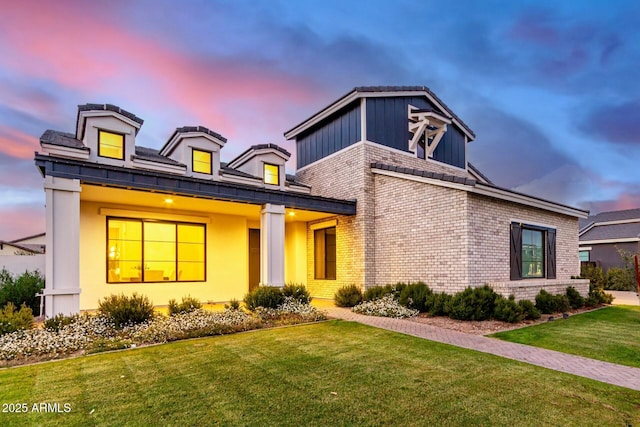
[
  {"x": 297, "y": 291},
  {"x": 620, "y": 279},
  {"x": 12, "y": 320},
  {"x": 386, "y": 306},
  {"x": 548, "y": 304},
  {"x": 437, "y": 304},
  {"x": 508, "y": 310},
  {"x": 377, "y": 292},
  {"x": 595, "y": 275},
  {"x": 59, "y": 321},
  {"x": 124, "y": 311},
  {"x": 575, "y": 299},
  {"x": 415, "y": 295},
  {"x": 21, "y": 289},
  {"x": 597, "y": 296},
  {"x": 188, "y": 304},
  {"x": 233, "y": 304},
  {"x": 348, "y": 296},
  {"x": 473, "y": 304},
  {"x": 545, "y": 302},
  {"x": 264, "y": 296},
  {"x": 529, "y": 310}
]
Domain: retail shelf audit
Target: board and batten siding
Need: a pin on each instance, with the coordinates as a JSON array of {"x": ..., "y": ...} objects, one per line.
[
  {"x": 331, "y": 135},
  {"x": 387, "y": 124}
]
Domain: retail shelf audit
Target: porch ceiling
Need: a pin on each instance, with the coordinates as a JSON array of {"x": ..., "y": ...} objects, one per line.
[{"x": 184, "y": 205}]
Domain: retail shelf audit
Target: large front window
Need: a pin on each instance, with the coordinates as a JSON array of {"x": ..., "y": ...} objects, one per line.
[
  {"x": 324, "y": 241},
  {"x": 155, "y": 251},
  {"x": 110, "y": 145},
  {"x": 532, "y": 253}
]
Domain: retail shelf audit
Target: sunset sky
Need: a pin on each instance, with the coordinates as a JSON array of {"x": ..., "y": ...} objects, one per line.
[{"x": 550, "y": 88}]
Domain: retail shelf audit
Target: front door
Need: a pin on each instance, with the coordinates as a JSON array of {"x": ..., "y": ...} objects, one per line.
[{"x": 254, "y": 258}]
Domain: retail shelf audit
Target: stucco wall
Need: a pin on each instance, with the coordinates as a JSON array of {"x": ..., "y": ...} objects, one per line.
[
  {"x": 607, "y": 255},
  {"x": 226, "y": 255}
]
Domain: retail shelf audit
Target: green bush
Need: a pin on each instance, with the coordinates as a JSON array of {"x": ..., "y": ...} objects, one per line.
[
  {"x": 415, "y": 295},
  {"x": 59, "y": 321},
  {"x": 508, "y": 310},
  {"x": 597, "y": 296},
  {"x": 620, "y": 279},
  {"x": 595, "y": 275},
  {"x": 548, "y": 304},
  {"x": 21, "y": 289},
  {"x": 575, "y": 299},
  {"x": 188, "y": 304},
  {"x": 545, "y": 302},
  {"x": 124, "y": 310},
  {"x": 233, "y": 304},
  {"x": 377, "y": 292},
  {"x": 264, "y": 296},
  {"x": 12, "y": 320},
  {"x": 348, "y": 296},
  {"x": 297, "y": 291},
  {"x": 473, "y": 304},
  {"x": 529, "y": 310},
  {"x": 438, "y": 304}
]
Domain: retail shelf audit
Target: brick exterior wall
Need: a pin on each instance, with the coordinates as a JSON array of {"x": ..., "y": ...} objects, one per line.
[{"x": 409, "y": 231}]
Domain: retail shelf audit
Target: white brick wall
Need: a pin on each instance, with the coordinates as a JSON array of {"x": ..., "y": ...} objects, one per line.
[{"x": 409, "y": 231}]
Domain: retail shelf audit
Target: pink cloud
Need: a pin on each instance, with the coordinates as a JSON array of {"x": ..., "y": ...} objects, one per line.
[
  {"x": 532, "y": 27},
  {"x": 16, "y": 143},
  {"x": 88, "y": 49},
  {"x": 21, "y": 221}
]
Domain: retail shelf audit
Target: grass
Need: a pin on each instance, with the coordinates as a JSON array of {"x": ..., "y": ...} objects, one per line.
[
  {"x": 611, "y": 334},
  {"x": 331, "y": 373}
]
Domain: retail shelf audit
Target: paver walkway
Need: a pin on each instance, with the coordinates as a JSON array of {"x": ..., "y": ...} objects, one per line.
[{"x": 611, "y": 373}]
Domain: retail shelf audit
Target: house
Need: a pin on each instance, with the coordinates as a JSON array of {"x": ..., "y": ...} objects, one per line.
[
  {"x": 604, "y": 234},
  {"x": 383, "y": 192},
  {"x": 24, "y": 254},
  {"x": 29, "y": 245}
]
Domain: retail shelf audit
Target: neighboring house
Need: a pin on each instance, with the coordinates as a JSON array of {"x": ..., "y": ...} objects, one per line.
[
  {"x": 383, "y": 193},
  {"x": 20, "y": 255},
  {"x": 604, "y": 234}
]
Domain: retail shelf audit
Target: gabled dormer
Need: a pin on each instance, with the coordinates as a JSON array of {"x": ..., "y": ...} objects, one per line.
[
  {"x": 198, "y": 148},
  {"x": 410, "y": 119},
  {"x": 265, "y": 161},
  {"x": 108, "y": 132}
]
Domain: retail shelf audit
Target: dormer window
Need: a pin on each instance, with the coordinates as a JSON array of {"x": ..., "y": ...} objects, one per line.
[
  {"x": 110, "y": 145},
  {"x": 271, "y": 174},
  {"x": 201, "y": 161}
]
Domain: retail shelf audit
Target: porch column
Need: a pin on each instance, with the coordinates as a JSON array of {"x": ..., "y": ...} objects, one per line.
[
  {"x": 272, "y": 245},
  {"x": 62, "y": 270}
]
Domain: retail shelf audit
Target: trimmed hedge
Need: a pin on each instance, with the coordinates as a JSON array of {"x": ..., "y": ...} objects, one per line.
[
  {"x": 348, "y": 296},
  {"x": 264, "y": 296}
]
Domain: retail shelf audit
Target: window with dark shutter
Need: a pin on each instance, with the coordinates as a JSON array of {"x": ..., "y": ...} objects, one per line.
[{"x": 532, "y": 252}]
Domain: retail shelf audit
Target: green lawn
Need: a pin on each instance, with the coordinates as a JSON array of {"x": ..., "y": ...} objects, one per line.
[
  {"x": 331, "y": 373},
  {"x": 611, "y": 334}
]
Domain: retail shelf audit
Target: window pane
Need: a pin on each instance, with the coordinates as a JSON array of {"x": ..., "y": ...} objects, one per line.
[
  {"x": 319, "y": 252},
  {"x": 202, "y": 161},
  {"x": 330, "y": 245},
  {"x": 584, "y": 256},
  {"x": 110, "y": 145},
  {"x": 532, "y": 253},
  {"x": 159, "y": 250},
  {"x": 271, "y": 174},
  {"x": 124, "y": 250}
]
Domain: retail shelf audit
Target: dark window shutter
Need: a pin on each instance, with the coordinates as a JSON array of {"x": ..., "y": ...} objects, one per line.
[
  {"x": 551, "y": 254},
  {"x": 516, "y": 251}
]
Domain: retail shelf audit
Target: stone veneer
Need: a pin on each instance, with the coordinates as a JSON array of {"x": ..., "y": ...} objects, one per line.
[{"x": 408, "y": 231}]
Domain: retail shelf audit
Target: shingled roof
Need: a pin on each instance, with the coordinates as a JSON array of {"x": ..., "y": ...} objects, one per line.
[
  {"x": 595, "y": 227},
  {"x": 62, "y": 139}
]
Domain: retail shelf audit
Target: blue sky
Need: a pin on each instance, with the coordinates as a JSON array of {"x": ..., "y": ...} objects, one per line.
[{"x": 550, "y": 88}]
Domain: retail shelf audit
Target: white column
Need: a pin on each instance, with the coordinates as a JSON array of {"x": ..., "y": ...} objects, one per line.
[
  {"x": 272, "y": 245},
  {"x": 62, "y": 277}
]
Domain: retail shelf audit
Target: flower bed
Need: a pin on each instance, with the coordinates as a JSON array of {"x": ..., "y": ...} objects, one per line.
[
  {"x": 386, "y": 306},
  {"x": 93, "y": 333}
]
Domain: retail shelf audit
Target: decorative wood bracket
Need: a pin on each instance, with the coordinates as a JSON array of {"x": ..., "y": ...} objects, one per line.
[{"x": 429, "y": 124}]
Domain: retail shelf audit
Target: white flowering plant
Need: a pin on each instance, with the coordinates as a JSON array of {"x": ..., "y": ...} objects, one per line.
[{"x": 386, "y": 306}]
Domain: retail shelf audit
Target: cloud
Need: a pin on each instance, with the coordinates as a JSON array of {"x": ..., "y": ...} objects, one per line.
[
  {"x": 15, "y": 143},
  {"x": 20, "y": 221},
  {"x": 624, "y": 200},
  {"x": 510, "y": 151},
  {"x": 614, "y": 123}
]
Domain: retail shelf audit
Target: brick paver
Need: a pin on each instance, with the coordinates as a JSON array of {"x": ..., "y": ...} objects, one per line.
[{"x": 611, "y": 373}]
